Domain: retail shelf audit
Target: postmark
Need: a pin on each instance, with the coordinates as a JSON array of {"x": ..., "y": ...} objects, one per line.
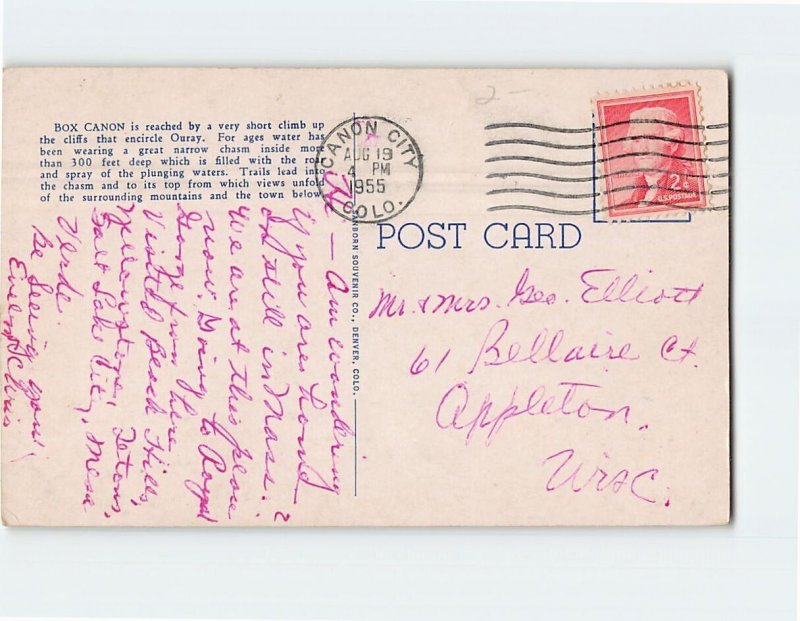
[
  {"x": 652, "y": 152},
  {"x": 369, "y": 169}
]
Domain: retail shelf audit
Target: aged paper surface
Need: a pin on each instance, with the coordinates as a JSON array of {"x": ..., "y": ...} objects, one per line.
[{"x": 365, "y": 297}]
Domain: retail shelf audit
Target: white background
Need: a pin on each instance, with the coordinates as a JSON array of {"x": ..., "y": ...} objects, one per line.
[{"x": 743, "y": 571}]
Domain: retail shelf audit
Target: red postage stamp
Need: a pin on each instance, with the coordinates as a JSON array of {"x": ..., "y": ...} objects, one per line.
[{"x": 651, "y": 150}]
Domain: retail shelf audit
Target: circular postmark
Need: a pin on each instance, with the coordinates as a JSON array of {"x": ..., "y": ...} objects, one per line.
[{"x": 368, "y": 169}]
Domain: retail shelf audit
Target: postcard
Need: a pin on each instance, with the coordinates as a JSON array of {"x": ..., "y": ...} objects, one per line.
[{"x": 365, "y": 297}]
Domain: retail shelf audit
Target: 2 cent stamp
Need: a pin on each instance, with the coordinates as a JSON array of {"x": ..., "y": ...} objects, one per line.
[{"x": 651, "y": 149}]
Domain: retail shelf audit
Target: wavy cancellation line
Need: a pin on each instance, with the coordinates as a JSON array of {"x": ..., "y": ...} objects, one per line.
[
  {"x": 596, "y": 194},
  {"x": 619, "y": 173},
  {"x": 589, "y": 212},
  {"x": 587, "y": 130},
  {"x": 592, "y": 145},
  {"x": 599, "y": 160}
]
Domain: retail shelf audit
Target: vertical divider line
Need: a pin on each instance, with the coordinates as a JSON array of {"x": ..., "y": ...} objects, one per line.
[{"x": 355, "y": 400}]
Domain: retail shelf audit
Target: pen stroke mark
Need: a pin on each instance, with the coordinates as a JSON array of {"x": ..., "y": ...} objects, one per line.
[
  {"x": 20, "y": 458},
  {"x": 485, "y": 100}
]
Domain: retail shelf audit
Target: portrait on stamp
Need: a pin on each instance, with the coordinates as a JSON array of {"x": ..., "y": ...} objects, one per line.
[{"x": 651, "y": 154}]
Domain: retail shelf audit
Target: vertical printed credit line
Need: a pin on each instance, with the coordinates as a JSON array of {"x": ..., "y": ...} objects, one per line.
[{"x": 355, "y": 237}]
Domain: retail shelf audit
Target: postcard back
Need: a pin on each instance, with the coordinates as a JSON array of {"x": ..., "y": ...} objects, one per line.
[{"x": 300, "y": 297}]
